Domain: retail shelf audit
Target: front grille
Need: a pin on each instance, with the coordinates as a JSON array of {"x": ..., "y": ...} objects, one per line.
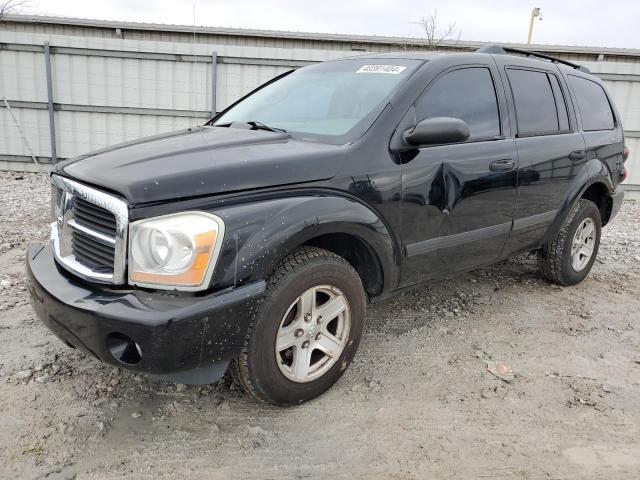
[
  {"x": 93, "y": 254},
  {"x": 94, "y": 217},
  {"x": 89, "y": 231}
]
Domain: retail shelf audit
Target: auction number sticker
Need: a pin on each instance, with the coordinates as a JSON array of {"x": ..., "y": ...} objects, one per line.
[{"x": 390, "y": 69}]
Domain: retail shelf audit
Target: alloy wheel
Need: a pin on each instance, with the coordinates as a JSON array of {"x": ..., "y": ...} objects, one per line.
[
  {"x": 313, "y": 333},
  {"x": 583, "y": 244}
]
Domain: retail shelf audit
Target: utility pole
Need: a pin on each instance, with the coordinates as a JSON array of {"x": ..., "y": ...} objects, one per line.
[{"x": 534, "y": 13}]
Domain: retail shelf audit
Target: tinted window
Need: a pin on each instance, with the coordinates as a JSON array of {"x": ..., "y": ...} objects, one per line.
[
  {"x": 535, "y": 104},
  {"x": 563, "y": 116},
  {"x": 594, "y": 107},
  {"x": 467, "y": 94}
]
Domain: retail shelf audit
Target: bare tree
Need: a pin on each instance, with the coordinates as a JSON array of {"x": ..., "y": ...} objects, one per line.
[
  {"x": 12, "y": 6},
  {"x": 435, "y": 35}
]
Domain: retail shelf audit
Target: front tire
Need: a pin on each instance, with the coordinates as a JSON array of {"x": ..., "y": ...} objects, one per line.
[
  {"x": 568, "y": 259},
  {"x": 306, "y": 330}
]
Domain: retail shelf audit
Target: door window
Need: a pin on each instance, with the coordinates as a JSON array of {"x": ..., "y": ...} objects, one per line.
[
  {"x": 467, "y": 94},
  {"x": 594, "y": 107},
  {"x": 536, "y": 107}
]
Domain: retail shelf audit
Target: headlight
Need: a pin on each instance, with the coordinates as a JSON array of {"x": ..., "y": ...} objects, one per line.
[{"x": 176, "y": 251}]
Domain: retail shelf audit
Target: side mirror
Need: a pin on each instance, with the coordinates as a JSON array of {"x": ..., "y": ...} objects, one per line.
[{"x": 437, "y": 131}]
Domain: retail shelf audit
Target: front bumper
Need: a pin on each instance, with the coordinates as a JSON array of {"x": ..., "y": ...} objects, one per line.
[{"x": 185, "y": 337}]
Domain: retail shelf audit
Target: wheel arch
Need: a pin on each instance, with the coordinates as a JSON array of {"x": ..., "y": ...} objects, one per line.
[
  {"x": 593, "y": 182},
  {"x": 599, "y": 194},
  {"x": 358, "y": 253},
  {"x": 342, "y": 225}
]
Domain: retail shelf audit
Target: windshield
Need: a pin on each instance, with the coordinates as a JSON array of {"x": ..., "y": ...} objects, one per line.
[{"x": 334, "y": 101}]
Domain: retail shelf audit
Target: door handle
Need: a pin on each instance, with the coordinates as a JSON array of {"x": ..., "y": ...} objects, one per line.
[
  {"x": 577, "y": 155},
  {"x": 504, "y": 165}
]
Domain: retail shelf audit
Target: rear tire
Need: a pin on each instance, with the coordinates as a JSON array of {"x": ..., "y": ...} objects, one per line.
[
  {"x": 291, "y": 353},
  {"x": 568, "y": 259}
]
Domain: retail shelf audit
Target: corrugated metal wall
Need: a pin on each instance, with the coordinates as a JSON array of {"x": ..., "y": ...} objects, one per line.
[
  {"x": 90, "y": 81},
  {"x": 107, "y": 90}
]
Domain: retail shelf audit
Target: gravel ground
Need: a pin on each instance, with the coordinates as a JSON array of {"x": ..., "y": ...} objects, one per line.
[{"x": 493, "y": 374}]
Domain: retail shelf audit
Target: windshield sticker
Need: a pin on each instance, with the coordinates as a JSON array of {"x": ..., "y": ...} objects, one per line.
[{"x": 390, "y": 69}]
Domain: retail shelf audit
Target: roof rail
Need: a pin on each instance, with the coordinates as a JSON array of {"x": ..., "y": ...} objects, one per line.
[{"x": 500, "y": 50}]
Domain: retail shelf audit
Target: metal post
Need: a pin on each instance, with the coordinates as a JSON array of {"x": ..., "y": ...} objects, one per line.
[
  {"x": 534, "y": 13},
  {"x": 214, "y": 80},
  {"x": 52, "y": 125}
]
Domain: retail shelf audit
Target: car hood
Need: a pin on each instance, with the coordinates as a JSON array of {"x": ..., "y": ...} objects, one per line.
[{"x": 203, "y": 161}]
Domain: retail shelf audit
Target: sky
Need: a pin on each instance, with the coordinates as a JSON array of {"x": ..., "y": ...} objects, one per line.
[{"x": 613, "y": 23}]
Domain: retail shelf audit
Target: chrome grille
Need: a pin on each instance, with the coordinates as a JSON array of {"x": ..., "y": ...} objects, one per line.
[
  {"x": 89, "y": 231},
  {"x": 91, "y": 250}
]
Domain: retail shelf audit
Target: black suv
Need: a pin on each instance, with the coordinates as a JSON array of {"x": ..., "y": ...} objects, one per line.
[{"x": 253, "y": 243}]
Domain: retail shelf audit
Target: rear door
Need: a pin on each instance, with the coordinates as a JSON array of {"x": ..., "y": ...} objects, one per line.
[
  {"x": 551, "y": 150},
  {"x": 458, "y": 199},
  {"x": 600, "y": 127}
]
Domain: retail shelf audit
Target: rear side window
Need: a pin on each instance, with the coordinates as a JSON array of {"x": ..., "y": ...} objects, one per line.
[
  {"x": 535, "y": 94},
  {"x": 467, "y": 94},
  {"x": 594, "y": 107}
]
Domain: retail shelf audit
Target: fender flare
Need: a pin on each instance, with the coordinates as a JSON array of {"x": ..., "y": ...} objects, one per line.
[
  {"x": 594, "y": 171},
  {"x": 259, "y": 234}
]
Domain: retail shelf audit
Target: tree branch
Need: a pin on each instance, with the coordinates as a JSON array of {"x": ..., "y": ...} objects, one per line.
[
  {"x": 432, "y": 33},
  {"x": 13, "y": 6}
]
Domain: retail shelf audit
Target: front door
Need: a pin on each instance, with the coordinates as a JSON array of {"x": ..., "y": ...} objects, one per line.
[{"x": 458, "y": 199}]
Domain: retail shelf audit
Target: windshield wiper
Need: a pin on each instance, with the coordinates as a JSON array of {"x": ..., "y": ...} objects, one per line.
[
  {"x": 254, "y": 125},
  {"x": 261, "y": 126}
]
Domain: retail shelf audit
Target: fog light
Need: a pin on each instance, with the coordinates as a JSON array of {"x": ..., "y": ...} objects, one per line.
[{"x": 124, "y": 349}]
